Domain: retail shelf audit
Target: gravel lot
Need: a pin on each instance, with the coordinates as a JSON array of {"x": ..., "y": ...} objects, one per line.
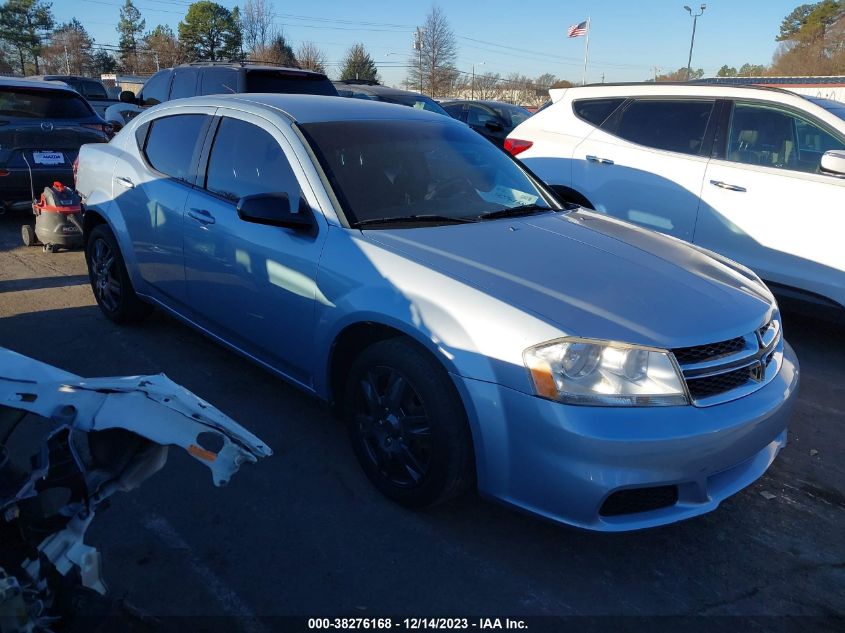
[{"x": 304, "y": 533}]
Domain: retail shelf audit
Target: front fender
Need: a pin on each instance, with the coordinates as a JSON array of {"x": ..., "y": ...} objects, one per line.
[{"x": 473, "y": 334}]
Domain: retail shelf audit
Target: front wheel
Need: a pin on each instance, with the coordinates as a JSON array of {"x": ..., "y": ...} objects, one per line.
[
  {"x": 407, "y": 424},
  {"x": 109, "y": 279}
]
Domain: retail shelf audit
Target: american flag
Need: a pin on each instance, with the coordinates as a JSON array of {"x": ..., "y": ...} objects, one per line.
[{"x": 577, "y": 30}]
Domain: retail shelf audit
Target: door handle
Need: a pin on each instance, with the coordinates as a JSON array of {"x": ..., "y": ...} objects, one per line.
[
  {"x": 202, "y": 216},
  {"x": 599, "y": 160},
  {"x": 724, "y": 185},
  {"x": 123, "y": 180}
]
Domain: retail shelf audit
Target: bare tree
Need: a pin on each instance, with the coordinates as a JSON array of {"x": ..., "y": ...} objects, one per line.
[
  {"x": 487, "y": 86},
  {"x": 311, "y": 57},
  {"x": 257, "y": 23},
  {"x": 435, "y": 54}
]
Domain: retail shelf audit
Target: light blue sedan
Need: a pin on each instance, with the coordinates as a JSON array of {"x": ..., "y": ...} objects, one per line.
[{"x": 469, "y": 329}]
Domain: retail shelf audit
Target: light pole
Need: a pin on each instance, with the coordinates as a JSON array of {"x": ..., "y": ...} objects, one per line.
[
  {"x": 695, "y": 17},
  {"x": 472, "y": 85}
]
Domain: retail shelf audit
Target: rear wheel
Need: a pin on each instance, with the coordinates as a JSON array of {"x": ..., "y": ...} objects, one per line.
[
  {"x": 109, "y": 279},
  {"x": 407, "y": 424},
  {"x": 28, "y": 235}
]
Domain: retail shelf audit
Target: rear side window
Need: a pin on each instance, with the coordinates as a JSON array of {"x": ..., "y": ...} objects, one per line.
[
  {"x": 289, "y": 83},
  {"x": 173, "y": 143},
  {"x": 93, "y": 90},
  {"x": 674, "y": 126},
  {"x": 184, "y": 83},
  {"x": 156, "y": 89},
  {"x": 219, "y": 81},
  {"x": 476, "y": 115},
  {"x": 246, "y": 160},
  {"x": 42, "y": 103},
  {"x": 595, "y": 111}
]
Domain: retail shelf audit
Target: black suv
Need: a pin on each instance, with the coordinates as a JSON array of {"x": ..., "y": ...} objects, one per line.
[{"x": 209, "y": 78}]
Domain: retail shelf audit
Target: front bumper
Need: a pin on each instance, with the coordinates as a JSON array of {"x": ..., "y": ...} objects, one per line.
[{"x": 562, "y": 461}]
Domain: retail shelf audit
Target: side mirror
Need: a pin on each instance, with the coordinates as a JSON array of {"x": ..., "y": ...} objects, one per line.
[
  {"x": 494, "y": 126},
  {"x": 274, "y": 209},
  {"x": 127, "y": 96},
  {"x": 833, "y": 162}
]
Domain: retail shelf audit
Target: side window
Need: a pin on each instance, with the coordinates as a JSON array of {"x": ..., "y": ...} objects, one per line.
[
  {"x": 674, "y": 126},
  {"x": 773, "y": 137},
  {"x": 184, "y": 83},
  {"x": 173, "y": 143},
  {"x": 93, "y": 90},
  {"x": 455, "y": 110},
  {"x": 595, "y": 111},
  {"x": 217, "y": 81},
  {"x": 476, "y": 115},
  {"x": 246, "y": 160},
  {"x": 156, "y": 89}
]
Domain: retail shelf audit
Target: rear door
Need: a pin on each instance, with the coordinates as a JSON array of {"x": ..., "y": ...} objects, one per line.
[
  {"x": 646, "y": 163},
  {"x": 765, "y": 204},
  {"x": 252, "y": 284},
  {"x": 151, "y": 184}
]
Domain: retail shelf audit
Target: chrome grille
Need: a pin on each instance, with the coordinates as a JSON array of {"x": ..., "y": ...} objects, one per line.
[
  {"x": 726, "y": 370},
  {"x": 709, "y": 352}
]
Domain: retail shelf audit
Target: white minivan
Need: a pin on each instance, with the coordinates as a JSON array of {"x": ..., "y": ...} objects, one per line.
[{"x": 756, "y": 174}]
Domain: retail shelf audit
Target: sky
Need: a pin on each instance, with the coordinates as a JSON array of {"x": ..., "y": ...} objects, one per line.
[{"x": 627, "y": 39}]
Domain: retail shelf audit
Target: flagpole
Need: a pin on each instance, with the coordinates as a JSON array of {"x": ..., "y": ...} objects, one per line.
[{"x": 586, "y": 52}]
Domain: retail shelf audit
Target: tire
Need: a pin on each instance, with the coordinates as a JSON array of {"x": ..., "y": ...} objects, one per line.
[
  {"x": 28, "y": 235},
  {"x": 109, "y": 280},
  {"x": 407, "y": 425}
]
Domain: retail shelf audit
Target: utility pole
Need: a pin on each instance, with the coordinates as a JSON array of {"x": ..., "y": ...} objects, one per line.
[
  {"x": 67, "y": 59},
  {"x": 695, "y": 17},
  {"x": 418, "y": 36},
  {"x": 656, "y": 70}
]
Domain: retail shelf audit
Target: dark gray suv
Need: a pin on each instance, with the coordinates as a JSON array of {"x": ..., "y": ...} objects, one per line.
[{"x": 209, "y": 78}]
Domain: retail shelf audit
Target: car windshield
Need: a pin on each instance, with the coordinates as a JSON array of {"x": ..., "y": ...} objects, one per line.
[
  {"x": 401, "y": 169},
  {"x": 289, "y": 83},
  {"x": 415, "y": 101},
  {"x": 834, "y": 107},
  {"x": 514, "y": 115},
  {"x": 42, "y": 103}
]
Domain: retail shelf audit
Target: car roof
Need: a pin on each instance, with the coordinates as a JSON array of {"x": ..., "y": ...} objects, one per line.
[
  {"x": 487, "y": 102},
  {"x": 26, "y": 82},
  {"x": 303, "y": 108},
  {"x": 375, "y": 89}
]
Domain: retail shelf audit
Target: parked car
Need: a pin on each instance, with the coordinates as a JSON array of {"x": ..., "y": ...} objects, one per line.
[
  {"x": 468, "y": 328},
  {"x": 93, "y": 90},
  {"x": 373, "y": 91},
  {"x": 753, "y": 173},
  {"x": 42, "y": 126},
  {"x": 494, "y": 120},
  {"x": 209, "y": 78}
]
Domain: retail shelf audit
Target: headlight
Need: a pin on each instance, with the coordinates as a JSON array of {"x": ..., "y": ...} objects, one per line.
[{"x": 603, "y": 373}]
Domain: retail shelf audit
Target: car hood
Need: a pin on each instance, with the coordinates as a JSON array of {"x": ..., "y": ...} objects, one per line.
[{"x": 595, "y": 276}]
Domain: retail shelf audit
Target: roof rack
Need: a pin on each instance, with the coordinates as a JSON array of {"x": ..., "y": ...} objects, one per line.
[
  {"x": 244, "y": 62},
  {"x": 695, "y": 82}
]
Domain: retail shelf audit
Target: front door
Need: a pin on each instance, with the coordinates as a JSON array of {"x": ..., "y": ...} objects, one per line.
[
  {"x": 253, "y": 284},
  {"x": 765, "y": 204}
]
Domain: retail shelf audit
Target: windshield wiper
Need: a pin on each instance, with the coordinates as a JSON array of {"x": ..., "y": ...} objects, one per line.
[
  {"x": 512, "y": 212},
  {"x": 421, "y": 219}
]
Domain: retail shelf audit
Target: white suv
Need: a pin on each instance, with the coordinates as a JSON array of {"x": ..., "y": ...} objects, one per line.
[{"x": 753, "y": 173}]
